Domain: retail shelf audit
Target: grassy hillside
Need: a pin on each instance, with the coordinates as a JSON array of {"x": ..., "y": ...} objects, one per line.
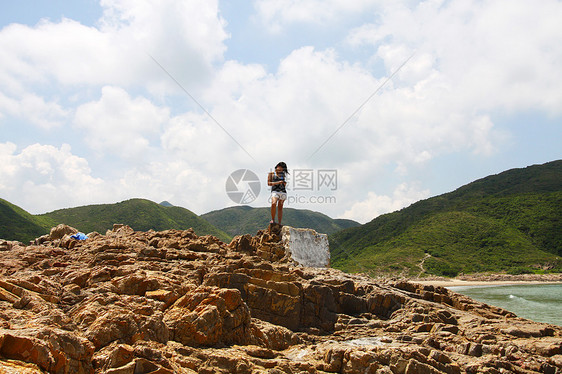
[
  {"x": 506, "y": 222},
  {"x": 239, "y": 220},
  {"x": 17, "y": 224},
  {"x": 140, "y": 214}
]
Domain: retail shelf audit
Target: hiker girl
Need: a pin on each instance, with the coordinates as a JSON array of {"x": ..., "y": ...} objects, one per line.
[{"x": 277, "y": 181}]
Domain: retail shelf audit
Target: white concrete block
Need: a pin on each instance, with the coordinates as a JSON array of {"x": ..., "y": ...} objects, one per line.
[{"x": 306, "y": 247}]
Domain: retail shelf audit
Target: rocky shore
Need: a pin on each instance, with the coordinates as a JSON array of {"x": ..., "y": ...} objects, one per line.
[{"x": 174, "y": 302}]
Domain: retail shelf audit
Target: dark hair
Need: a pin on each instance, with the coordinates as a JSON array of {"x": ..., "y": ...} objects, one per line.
[{"x": 283, "y": 165}]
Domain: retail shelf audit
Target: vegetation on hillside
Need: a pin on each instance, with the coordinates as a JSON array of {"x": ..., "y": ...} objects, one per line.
[
  {"x": 17, "y": 224},
  {"x": 140, "y": 214},
  {"x": 507, "y": 222},
  {"x": 240, "y": 220}
]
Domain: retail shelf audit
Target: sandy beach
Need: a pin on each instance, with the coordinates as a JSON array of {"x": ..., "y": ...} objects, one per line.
[
  {"x": 490, "y": 280},
  {"x": 461, "y": 283}
]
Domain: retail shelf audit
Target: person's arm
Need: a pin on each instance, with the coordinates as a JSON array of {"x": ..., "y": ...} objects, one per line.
[{"x": 270, "y": 181}]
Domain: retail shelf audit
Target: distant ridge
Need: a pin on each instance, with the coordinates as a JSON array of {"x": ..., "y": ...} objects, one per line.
[
  {"x": 140, "y": 214},
  {"x": 243, "y": 219},
  {"x": 505, "y": 222},
  {"x": 143, "y": 215},
  {"x": 17, "y": 224}
]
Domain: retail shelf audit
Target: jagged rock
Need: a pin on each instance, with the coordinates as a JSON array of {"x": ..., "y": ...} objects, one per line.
[
  {"x": 52, "y": 350},
  {"x": 175, "y": 302},
  {"x": 272, "y": 336},
  {"x": 19, "y": 367},
  {"x": 527, "y": 331},
  {"x": 209, "y": 316},
  {"x": 7, "y": 245},
  {"x": 60, "y": 231}
]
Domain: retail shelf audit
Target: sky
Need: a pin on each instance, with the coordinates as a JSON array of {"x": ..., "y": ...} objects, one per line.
[{"x": 373, "y": 104}]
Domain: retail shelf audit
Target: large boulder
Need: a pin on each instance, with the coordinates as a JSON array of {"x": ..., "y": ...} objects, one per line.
[
  {"x": 209, "y": 316},
  {"x": 60, "y": 231}
]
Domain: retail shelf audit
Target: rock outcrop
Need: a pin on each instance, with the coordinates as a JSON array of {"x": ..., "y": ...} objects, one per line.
[{"x": 175, "y": 302}]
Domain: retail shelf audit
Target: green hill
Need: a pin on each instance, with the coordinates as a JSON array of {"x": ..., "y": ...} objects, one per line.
[
  {"x": 505, "y": 222},
  {"x": 239, "y": 220},
  {"x": 140, "y": 214},
  {"x": 17, "y": 224}
]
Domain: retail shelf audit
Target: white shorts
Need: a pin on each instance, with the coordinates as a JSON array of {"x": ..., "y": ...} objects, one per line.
[{"x": 278, "y": 195}]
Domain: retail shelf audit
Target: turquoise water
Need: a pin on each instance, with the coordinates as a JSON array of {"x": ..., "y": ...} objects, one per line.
[{"x": 541, "y": 303}]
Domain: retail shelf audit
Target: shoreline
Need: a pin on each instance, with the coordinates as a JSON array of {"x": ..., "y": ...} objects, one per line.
[
  {"x": 462, "y": 283},
  {"x": 490, "y": 280}
]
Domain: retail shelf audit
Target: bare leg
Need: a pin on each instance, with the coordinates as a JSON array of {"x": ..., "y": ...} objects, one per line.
[
  {"x": 280, "y": 211},
  {"x": 273, "y": 208}
]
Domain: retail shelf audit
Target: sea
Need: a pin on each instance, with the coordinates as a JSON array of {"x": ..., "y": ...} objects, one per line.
[{"x": 537, "y": 302}]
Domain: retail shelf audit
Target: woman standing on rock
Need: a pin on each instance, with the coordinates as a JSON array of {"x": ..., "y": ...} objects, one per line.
[{"x": 277, "y": 180}]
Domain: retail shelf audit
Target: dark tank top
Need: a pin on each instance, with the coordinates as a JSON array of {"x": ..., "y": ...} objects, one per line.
[{"x": 278, "y": 187}]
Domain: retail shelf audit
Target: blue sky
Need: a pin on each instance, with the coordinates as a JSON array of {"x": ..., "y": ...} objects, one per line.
[{"x": 102, "y": 101}]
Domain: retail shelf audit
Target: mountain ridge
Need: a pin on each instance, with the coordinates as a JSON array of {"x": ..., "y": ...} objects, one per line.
[
  {"x": 527, "y": 200},
  {"x": 18, "y": 224},
  {"x": 243, "y": 219},
  {"x": 141, "y": 214}
]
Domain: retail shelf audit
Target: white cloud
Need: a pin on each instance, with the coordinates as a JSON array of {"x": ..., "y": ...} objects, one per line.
[
  {"x": 199, "y": 140},
  {"x": 313, "y": 93},
  {"x": 34, "y": 109},
  {"x": 375, "y": 205},
  {"x": 119, "y": 124},
  {"x": 277, "y": 14},
  {"x": 178, "y": 182},
  {"x": 43, "y": 177},
  {"x": 186, "y": 37},
  {"x": 490, "y": 55},
  {"x": 289, "y": 113}
]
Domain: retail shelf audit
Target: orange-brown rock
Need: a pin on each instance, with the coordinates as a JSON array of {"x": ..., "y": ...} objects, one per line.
[
  {"x": 209, "y": 316},
  {"x": 175, "y": 302}
]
